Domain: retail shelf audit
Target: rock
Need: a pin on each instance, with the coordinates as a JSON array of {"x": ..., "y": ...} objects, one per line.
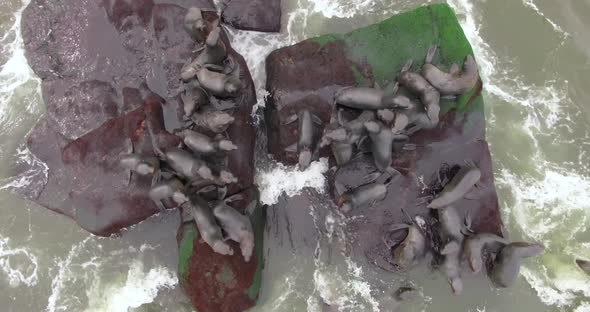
[
  {"x": 256, "y": 15},
  {"x": 221, "y": 283},
  {"x": 101, "y": 63},
  {"x": 307, "y": 74}
]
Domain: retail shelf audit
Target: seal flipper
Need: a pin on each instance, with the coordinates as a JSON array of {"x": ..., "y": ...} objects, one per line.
[
  {"x": 291, "y": 119},
  {"x": 291, "y": 148},
  {"x": 431, "y": 53},
  {"x": 584, "y": 265},
  {"x": 454, "y": 69},
  {"x": 155, "y": 145}
]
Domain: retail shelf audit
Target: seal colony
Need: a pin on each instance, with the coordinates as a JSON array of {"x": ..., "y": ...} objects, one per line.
[
  {"x": 380, "y": 122},
  {"x": 193, "y": 176}
]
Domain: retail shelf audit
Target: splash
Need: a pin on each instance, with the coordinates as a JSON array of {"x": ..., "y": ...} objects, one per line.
[
  {"x": 139, "y": 288},
  {"x": 18, "y": 264},
  {"x": 283, "y": 179}
]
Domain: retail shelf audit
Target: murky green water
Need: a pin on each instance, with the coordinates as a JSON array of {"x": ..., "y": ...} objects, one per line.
[{"x": 534, "y": 58}]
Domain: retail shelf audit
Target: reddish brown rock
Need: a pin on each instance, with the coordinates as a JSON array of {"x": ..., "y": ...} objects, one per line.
[
  {"x": 100, "y": 61},
  {"x": 257, "y": 15},
  {"x": 307, "y": 75}
]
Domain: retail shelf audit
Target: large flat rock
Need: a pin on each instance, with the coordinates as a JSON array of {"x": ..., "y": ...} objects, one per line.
[
  {"x": 308, "y": 74},
  {"x": 102, "y": 61}
]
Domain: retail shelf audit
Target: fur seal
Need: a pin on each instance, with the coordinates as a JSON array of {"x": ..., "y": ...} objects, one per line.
[
  {"x": 475, "y": 244},
  {"x": 142, "y": 164},
  {"x": 429, "y": 96},
  {"x": 362, "y": 195},
  {"x": 172, "y": 188},
  {"x": 507, "y": 265},
  {"x": 382, "y": 144},
  {"x": 304, "y": 145},
  {"x": 237, "y": 226},
  {"x": 412, "y": 248},
  {"x": 187, "y": 166},
  {"x": 207, "y": 225},
  {"x": 456, "y": 82},
  {"x": 370, "y": 98},
  {"x": 193, "y": 97},
  {"x": 467, "y": 177},
  {"x": 452, "y": 225},
  {"x": 340, "y": 143},
  {"x": 195, "y": 24},
  {"x": 202, "y": 144},
  {"x": 218, "y": 84},
  {"x": 451, "y": 266},
  {"x": 214, "y": 51},
  {"x": 215, "y": 121},
  {"x": 584, "y": 265}
]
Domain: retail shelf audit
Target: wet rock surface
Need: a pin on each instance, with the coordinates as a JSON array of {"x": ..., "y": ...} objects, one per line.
[
  {"x": 257, "y": 15},
  {"x": 307, "y": 75},
  {"x": 108, "y": 67}
]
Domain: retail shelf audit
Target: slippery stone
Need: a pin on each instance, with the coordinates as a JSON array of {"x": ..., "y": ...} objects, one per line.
[
  {"x": 256, "y": 15},
  {"x": 307, "y": 75}
]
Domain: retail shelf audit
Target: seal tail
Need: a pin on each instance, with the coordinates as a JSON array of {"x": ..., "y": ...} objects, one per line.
[{"x": 155, "y": 145}]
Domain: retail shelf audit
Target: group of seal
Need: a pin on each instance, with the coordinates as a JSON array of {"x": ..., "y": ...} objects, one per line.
[
  {"x": 384, "y": 119},
  {"x": 193, "y": 176},
  {"x": 458, "y": 241}
]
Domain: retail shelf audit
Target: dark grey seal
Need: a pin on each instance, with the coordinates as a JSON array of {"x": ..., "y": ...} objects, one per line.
[
  {"x": 507, "y": 265},
  {"x": 214, "y": 51},
  {"x": 237, "y": 226},
  {"x": 412, "y": 248},
  {"x": 370, "y": 98},
  {"x": 381, "y": 144},
  {"x": 202, "y": 144},
  {"x": 464, "y": 181},
  {"x": 195, "y": 24},
  {"x": 456, "y": 82},
  {"x": 305, "y": 142},
  {"x": 207, "y": 225},
  {"x": 475, "y": 244},
  {"x": 213, "y": 120},
  {"x": 172, "y": 188},
  {"x": 218, "y": 84},
  {"x": 362, "y": 195},
  {"x": 429, "y": 96},
  {"x": 193, "y": 97}
]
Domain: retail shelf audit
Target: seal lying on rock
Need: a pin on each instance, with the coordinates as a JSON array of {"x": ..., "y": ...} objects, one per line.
[
  {"x": 412, "y": 248},
  {"x": 453, "y": 228},
  {"x": 193, "y": 97},
  {"x": 361, "y": 196},
  {"x": 304, "y": 145},
  {"x": 237, "y": 226},
  {"x": 195, "y": 24},
  {"x": 381, "y": 144},
  {"x": 429, "y": 96},
  {"x": 214, "y": 51},
  {"x": 584, "y": 265},
  {"x": 507, "y": 265},
  {"x": 467, "y": 177},
  {"x": 212, "y": 120},
  {"x": 202, "y": 144},
  {"x": 207, "y": 225},
  {"x": 218, "y": 84},
  {"x": 475, "y": 244},
  {"x": 456, "y": 82},
  {"x": 141, "y": 164},
  {"x": 172, "y": 188},
  {"x": 370, "y": 98},
  {"x": 451, "y": 267}
]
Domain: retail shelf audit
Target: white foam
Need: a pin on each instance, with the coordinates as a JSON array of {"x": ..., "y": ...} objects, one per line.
[
  {"x": 37, "y": 171},
  {"x": 341, "y": 9},
  {"x": 557, "y": 28},
  {"x": 16, "y": 71},
  {"x": 18, "y": 264},
  {"x": 284, "y": 179},
  {"x": 139, "y": 288}
]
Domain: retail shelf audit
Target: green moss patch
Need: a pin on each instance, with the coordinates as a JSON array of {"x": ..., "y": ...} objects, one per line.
[{"x": 190, "y": 234}]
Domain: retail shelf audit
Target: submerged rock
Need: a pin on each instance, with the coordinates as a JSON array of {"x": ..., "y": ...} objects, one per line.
[
  {"x": 307, "y": 75},
  {"x": 257, "y": 15}
]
